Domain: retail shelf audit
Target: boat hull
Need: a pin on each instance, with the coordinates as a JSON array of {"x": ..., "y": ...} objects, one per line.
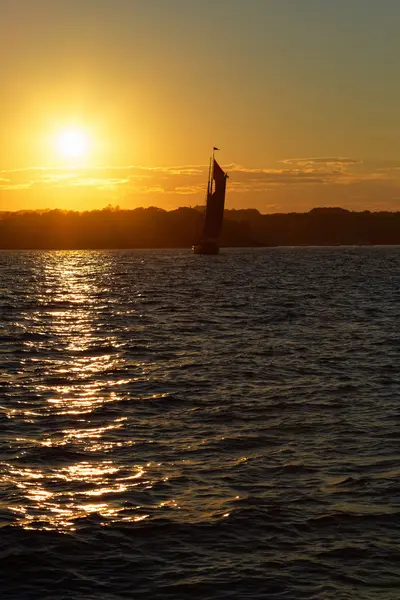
[{"x": 207, "y": 247}]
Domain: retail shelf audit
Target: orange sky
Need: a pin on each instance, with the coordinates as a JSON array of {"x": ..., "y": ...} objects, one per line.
[{"x": 304, "y": 116}]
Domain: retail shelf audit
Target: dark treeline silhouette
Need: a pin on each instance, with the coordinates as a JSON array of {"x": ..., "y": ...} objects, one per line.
[{"x": 157, "y": 228}]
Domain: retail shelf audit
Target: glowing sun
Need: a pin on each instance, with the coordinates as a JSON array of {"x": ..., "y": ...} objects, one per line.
[{"x": 73, "y": 143}]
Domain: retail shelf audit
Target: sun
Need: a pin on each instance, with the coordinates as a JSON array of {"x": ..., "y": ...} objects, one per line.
[{"x": 73, "y": 143}]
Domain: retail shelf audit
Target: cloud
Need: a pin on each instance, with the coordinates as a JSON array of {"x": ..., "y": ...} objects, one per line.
[
  {"x": 257, "y": 179},
  {"x": 331, "y": 160},
  {"x": 137, "y": 178},
  {"x": 186, "y": 179}
]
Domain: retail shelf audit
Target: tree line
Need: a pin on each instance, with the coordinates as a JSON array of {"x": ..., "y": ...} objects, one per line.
[{"x": 158, "y": 228}]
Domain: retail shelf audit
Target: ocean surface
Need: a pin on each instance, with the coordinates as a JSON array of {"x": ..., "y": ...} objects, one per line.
[{"x": 206, "y": 427}]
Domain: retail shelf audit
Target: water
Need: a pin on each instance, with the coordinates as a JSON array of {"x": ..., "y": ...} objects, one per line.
[{"x": 179, "y": 426}]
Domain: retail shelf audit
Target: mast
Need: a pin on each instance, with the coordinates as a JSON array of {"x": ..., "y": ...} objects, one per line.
[
  {"x": 212, "y": 171},
  {"x": 209, "y": 183},
  {"x": 213, "y": 158}
]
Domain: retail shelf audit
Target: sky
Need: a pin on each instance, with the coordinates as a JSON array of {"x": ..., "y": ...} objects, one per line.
[{"x": 301, "y": 96}]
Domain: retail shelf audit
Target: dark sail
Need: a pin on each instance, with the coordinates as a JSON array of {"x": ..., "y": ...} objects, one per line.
[{"x": 215, "y": 205}]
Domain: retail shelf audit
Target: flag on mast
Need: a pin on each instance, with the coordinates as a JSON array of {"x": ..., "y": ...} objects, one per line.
[{"x": 215, "y": 148}]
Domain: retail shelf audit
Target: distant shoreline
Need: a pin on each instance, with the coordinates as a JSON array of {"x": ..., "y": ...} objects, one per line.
[
  {"x": 222, "y": 248},
  {"x": 155, "y": 228}
]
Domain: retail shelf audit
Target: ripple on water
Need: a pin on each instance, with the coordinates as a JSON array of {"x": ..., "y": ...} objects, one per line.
[{"x": 217, "y": 428}]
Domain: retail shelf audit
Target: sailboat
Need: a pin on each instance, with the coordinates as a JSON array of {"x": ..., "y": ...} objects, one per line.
[{"x": 216, "y": 188}]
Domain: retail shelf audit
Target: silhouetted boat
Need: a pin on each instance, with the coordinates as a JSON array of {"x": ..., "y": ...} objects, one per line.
[{"x": 216, "y": 187}]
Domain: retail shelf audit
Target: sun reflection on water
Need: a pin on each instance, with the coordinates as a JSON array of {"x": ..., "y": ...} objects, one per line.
[
  {"x": 81, "y": 363},
  {"x": 56, "y": 498}
]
